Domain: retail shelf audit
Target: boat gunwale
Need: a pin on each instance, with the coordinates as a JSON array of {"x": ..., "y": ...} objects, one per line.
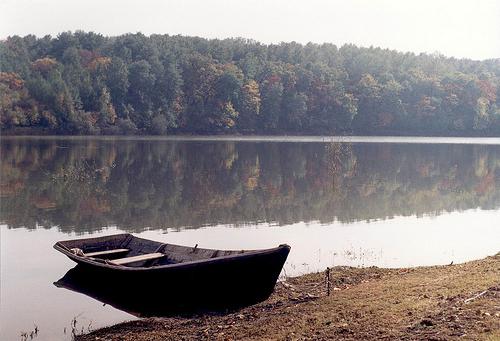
[{"x": 247, "y": 254}]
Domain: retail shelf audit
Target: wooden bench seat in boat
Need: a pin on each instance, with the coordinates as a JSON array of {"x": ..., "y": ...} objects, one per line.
[
  {"x": 127, "y": 260},
  {"x": 104, "y": 253}
]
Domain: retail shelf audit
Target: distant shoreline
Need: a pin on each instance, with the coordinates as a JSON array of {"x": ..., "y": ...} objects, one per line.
[{"x": 271, "y": 138}]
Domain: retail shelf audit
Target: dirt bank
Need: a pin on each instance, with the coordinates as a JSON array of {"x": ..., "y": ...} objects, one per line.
[{"x": 428, "y": 303}]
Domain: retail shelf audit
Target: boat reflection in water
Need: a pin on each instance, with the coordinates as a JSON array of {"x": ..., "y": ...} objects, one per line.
[
  {"x": 178, "y": 281},
  {"x": 87, "y": 282}
]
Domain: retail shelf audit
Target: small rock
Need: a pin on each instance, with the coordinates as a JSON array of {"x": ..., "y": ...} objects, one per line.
[{"x": 426, "y": 323}]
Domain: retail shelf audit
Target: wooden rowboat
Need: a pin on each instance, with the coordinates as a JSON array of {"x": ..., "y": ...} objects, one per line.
[{"x": 178, "y": 278}]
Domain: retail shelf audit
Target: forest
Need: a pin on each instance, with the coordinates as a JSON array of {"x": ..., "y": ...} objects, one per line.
[{"x": 87, "y": 84}]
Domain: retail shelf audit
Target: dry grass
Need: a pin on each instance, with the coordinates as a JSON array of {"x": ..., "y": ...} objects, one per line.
[{"x": 426, "y": 303}]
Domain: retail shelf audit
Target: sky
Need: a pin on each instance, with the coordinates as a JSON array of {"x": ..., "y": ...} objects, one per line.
[{"x": 455, "y": 28}]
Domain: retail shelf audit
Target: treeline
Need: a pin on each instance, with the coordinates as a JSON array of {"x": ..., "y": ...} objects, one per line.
[
  {"x": 135, "y": 185},
  {"x": 85, "y": 83}
]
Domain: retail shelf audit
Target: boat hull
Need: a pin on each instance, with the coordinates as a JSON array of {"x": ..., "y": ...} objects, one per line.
[{"x": 214, "y": 284}]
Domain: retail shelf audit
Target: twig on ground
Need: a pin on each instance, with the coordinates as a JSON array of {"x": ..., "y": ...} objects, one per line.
[{"x": 475, "y": 297}]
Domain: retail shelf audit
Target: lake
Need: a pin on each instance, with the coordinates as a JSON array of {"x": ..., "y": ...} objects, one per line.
[{"x": 387, "y": 202}]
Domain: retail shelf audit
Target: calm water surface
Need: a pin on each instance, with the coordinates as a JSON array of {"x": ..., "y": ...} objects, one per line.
[{"x": 386, "y": 203}]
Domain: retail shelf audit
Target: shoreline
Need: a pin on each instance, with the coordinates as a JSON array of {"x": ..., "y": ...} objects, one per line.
[
  {"x": 270, "y": 138},
  {"x": 438, "y": 302}
]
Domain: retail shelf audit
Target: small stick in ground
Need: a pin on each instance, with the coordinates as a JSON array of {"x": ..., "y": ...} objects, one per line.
[{"x": 328, "y": 282}]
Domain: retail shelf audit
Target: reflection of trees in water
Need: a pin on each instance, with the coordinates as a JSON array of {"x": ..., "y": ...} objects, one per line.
[
  {"x": 152, "y": 184},
  {"x": 341, "y": 162}
]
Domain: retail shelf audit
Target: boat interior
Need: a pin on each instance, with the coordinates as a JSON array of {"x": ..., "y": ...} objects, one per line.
[{"x": 128, "y": 250}]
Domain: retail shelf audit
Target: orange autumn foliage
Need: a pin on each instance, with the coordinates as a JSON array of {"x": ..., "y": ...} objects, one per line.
[
  {"x": 12, "y": 79},
  {"x": 44, "y": 64}
]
